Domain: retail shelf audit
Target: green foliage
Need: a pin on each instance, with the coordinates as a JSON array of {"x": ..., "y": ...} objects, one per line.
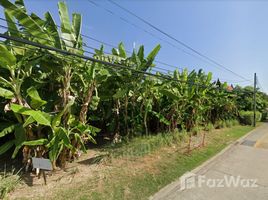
[
  {"x": 196, "y": 130},
  {"x": 51, "y": 100},
  {"x": 179, "y": 136},
  {"x": 245, "y": 99},
  {"x": 234, "y": 122},
  {"x": 220, "y": 124},
  {"x": 6, "y": 146},
  {"x": 8, "y": 182},
  {"x": 246, "y": 117},
  {"x": 7, "y": 59},
  {"x": 228, "y": 123},
  {"x": 209, "y": 127}
]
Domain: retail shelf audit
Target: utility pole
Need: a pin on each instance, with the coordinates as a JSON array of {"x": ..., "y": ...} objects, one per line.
[{"x": 254, "y": 100}]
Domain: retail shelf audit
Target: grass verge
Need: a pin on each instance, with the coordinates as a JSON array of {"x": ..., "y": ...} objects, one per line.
[
  {"x": 8, "y": 182},
  {"x": 150, "y": 168}
]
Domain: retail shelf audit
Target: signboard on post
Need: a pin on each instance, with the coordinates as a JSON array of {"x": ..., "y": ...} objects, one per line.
[{"x": 42, "y": 163}]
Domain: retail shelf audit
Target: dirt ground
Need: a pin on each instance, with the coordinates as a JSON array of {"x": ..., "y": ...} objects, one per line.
[{"x": 92, "y": 167}]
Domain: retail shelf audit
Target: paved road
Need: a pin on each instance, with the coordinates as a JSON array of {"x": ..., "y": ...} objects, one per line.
[{"x": 244, "y": 163}]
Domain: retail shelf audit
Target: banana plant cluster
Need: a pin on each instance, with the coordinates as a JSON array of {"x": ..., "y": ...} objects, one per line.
[
  {"x": 52, "y": 105},
  {"x": 40, "y": 90}
]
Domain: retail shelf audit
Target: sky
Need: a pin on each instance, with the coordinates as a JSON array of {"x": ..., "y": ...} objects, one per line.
[{"x": 233, "y": 33}]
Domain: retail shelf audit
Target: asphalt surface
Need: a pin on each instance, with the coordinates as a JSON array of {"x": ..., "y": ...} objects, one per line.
[{"x": 239, "y": 172}]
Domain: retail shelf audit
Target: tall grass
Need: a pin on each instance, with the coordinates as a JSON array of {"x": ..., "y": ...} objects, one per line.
[{"x": 8, "y": 182}]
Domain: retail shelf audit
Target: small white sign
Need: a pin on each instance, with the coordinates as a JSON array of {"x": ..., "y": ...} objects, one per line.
[{"x": 42, "y": 163}]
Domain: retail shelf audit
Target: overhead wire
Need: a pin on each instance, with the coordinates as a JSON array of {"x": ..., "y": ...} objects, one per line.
[
  {"x": 259, "y": 85},
  {"x": 64, "y": 39},
  {"x": 34, "y": 50},
  {"x": 166, "y": 71},
  {"x": 176, "y": 40},
  {"x": 112, "y": 45},
  {"x": 107, "y": 64},
  {"x": 147, "y": 32},
  {"x": 90, "y": 47}
]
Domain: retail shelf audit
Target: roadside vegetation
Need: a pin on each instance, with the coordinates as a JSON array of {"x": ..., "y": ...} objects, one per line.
[
  {"x": 8, "y": 182},
  {"x": 53, "y": 105},
  {"x": 135, "y": 170}
]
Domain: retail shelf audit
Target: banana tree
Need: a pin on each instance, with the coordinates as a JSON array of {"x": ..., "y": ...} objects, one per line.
[{"x": 44, "y": 32}]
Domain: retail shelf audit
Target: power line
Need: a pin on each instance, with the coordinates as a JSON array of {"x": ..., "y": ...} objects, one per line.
[
  {"x": 84, "y": 45},
  {"x": 93, "y": 48},
  {"x": 129, "y": 52},
  {"x": 14, "y": 31},
  {"x": 258, "y": 83},
  {"x": 20, "y": 40},
  {"x": 111, "y": 45},
  {"x": 232, "y": 81},
  {"x": 151, "y": 34},
  {"x": 34, "y": 50},
  {"x": 173, "y": 38},
  {"x": 105, "y": 63},
  {"x": 1, "y": 26}
]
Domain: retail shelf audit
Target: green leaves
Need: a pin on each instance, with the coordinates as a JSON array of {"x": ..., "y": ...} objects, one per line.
[
  {"x": 77, "y": 23},
  {"x": 120, "y": 93},
  {"x": 170, "y": 94},
  {"x": 6, "y": 93},
  {"x": 153, "y": 53},
  {"x": 161, "y": 117},
  {"x": 122, "y": 51},
  {"x": 36, "y": 100},
  {"x": 53, "y": 29},
  {"x": 38, "y": 116},
  {"x": 36, "y": 142},
  {"x": 66, "y": 28},
  {"x": 150, "y": 58},
  {"x": 77, "y": 93},
  {"x": 31, "y": 25},
  {"x": 56, "y": 120},
  {"x": 59, "y": 140},
  {"x": 141, "y": 53},
  {"x": 12, "y": 28},
  {"x": 64, "y": 17},
  {"x": 5, "y": 147},
  {"x": 20, "y": 137},
  {"x": 7, "y": 130},
  {"x": 64, "y": 137},
  {"x": 7, "y": 59}
]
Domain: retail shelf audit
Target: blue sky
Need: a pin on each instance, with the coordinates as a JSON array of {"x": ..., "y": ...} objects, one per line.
[{"x": 234, "y": 33}]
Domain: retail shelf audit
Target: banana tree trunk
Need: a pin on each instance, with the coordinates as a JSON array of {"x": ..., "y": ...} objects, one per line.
[
  {"x": 116, "y": 136},
  {"x": 66, "y": 93},
  {"x": 87, "y": 100},
  {"x": 126, "y": 116},
  {"x": 145, "y": 122}
]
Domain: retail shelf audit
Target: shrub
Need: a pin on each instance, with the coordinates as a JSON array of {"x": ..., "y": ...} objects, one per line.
[
  {"x": 209, "y": 127},
  {"x": 246, "y": 117},
  {"x": 264, "y": 116},
  {"x": 220, "y": 124},
  {"x": 234, "y": 122},
  {"x": 196, "y": 130},
  {"x": 228, "y": 123},
  {"x": 179, "y": 136},
  {"x": 8, "y": 182}
]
